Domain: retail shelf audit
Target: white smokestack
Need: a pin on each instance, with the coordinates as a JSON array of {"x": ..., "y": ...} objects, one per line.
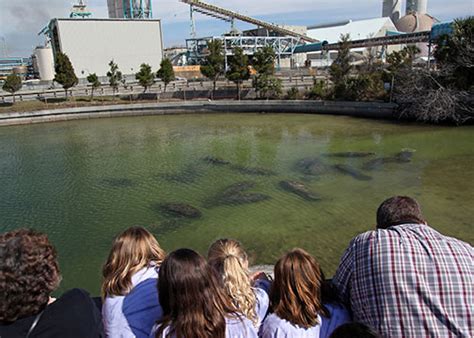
[
  {"x": 392, "y": 9},
  {"x": 418, "y": 6}
]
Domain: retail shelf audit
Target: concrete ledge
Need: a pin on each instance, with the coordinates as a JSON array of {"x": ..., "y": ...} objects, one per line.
[{"x": 357, "y": 109}]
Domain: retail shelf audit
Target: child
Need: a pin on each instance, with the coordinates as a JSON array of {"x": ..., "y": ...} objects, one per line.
[
  {"x": 297, "y": 309},
  {"x": 230, "y": 261},
  {"x": 131, "y": 303}
]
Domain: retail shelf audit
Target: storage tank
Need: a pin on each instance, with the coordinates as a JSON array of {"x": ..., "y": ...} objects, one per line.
[
  {"x": 392, "y": 9},
  {"x": 44, "y": 62},
  {"x": 417, "y": 6}
]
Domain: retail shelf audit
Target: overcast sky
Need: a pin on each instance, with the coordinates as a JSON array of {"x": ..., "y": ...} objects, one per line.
[{"x": 21, "y": 20}]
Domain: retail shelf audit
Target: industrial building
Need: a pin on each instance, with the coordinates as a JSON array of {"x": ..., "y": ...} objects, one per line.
[
  {"x": 91, "y": 44},
  {"x": 129, "y": 9},
  {"x": 360, "y": 29}
]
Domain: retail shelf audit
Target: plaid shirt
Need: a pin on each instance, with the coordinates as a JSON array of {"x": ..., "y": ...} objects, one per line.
[{"x": 409, "y": 281}]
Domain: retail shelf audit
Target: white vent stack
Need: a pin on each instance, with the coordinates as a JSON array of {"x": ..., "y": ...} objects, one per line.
[
  {"x": 392, "y": 9},
  {"x": 417, "y": 6}
]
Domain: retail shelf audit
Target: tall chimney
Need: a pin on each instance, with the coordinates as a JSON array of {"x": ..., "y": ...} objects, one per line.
[
  {"x": 392, "y": 9},
  {"x": 418, "y": 6}
]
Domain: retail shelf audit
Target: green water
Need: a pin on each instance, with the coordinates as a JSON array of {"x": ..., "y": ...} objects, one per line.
[{"x": 83, "y": 182}]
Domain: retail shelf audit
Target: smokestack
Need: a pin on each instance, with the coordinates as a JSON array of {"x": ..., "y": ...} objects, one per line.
[
  {"x": 417, "y": 6},
  {"x": 392, "y": 9}
]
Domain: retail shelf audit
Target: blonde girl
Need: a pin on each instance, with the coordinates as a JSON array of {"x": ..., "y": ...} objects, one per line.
[
  {"x": 249, "y": 296},
  {"x": 130, "y": 298}
]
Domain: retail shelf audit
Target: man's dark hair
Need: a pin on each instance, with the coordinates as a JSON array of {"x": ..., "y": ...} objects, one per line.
[
  {"x": 354, "y": 330},
  {"x": 398, "y": 210}
]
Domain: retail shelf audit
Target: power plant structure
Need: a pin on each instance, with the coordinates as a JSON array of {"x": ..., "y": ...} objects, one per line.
[
  {"x": 131, "y": 37},
  {"x": 130, "y": 9}
]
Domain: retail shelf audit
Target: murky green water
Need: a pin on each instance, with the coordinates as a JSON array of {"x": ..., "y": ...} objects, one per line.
[{"x": 83, "y": 182}]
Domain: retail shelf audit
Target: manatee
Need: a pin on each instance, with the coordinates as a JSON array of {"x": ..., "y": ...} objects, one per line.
[
  {"x": 351, "y": 154},
  {"x": 178, "y": 209},
  {"x": 311, "y": 166},
  {"x": 350, "y": 170},
  {"x": 253, "y": 170},
  {"x": 299, "y": 189},
  {"x": 167, "y": 225},
  {"x": 238, "y": 187},
  {"x": 215, "y": 160},
  {"x": 234, "y": 194},
  {"x": 187, "y": 175},
  {"x": 377, "y": 163},
  {"x": 118, "y": 182},
  {"x": 403, "y": 156},
  {"x": 243, "y": 198}
]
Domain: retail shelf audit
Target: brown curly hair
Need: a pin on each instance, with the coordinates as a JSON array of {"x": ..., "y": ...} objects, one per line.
[{"x": 29, "y": 272}]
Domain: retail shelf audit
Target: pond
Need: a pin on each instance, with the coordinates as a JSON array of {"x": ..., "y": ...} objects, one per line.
[{"x": 83, "y": 182}]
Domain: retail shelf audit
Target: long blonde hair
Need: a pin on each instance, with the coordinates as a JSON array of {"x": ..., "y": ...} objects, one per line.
[
  {"x": 230, "y": 260},
  {"x": 132, "y": 250}
]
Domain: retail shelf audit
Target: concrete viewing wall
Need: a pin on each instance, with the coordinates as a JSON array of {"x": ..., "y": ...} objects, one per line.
[{"x": 357, "y": 109}]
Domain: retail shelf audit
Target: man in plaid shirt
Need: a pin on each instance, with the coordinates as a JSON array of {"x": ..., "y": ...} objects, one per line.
[{"x": 405, "y": 279}]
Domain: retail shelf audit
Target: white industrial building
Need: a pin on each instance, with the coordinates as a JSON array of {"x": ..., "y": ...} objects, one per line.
[
  {"x": 357, "y": 30},
  {"x": 91, "y": 44}
]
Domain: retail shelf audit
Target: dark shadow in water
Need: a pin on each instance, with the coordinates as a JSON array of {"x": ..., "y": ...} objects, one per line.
[
  {"x": 181, "y": 210},
  {"x": 118, "y": 182},
  {"x": 257, "y": 171},
  {"x": 352, "y": 171},
  {"x": 188, "y": 175},
  {"x": 168, "y": 225},
  {"x": 215, "y": 160},
  {"x": 6, "y": 104}
]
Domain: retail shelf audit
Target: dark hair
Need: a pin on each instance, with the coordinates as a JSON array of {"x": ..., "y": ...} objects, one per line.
[
  {"x": 354, "y": 330},
  {"x": 194, "y": 303},
  {"x": 398, "y": 210},
  {"x": 29, "y": 273},
  {"x": 295, "y": 294}
]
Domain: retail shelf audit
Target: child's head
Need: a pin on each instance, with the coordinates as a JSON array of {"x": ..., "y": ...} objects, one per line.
[
  {"x": 230, "y": 261},
  {"x": 193, "y": 301},
  {"x": 295, "y": 294},
  {"x": 132, "y": 250}
]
